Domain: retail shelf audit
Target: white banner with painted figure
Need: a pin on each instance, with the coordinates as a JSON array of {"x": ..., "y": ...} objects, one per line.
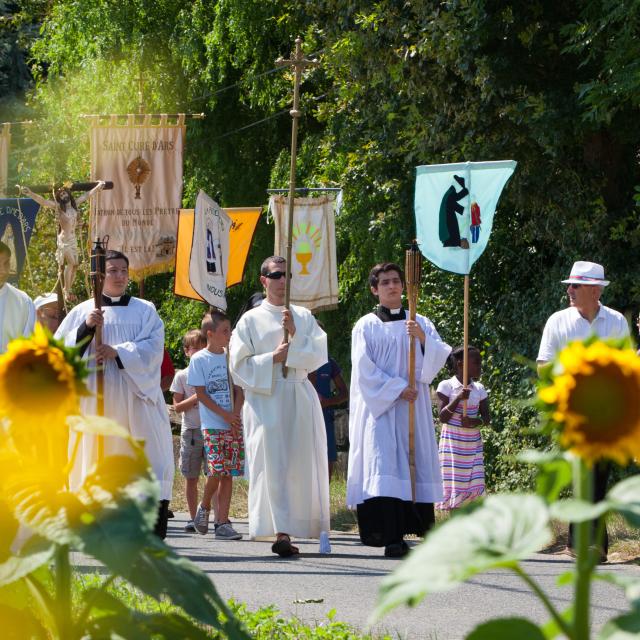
[
  {"x": 314, "y": 270},
  {"x": 209, "y": 260},
  {"x": 140, "y": 213},
  {"x": 5, "y": 143}
]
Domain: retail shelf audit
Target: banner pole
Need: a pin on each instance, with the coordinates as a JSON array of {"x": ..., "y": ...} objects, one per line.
[
  {"x": 298, "y": 63},
  {"x": 465, "y": 342}
]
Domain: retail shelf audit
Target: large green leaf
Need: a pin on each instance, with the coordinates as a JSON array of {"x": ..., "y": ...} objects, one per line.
[
  {"x": 507, "y": 629},
  {"x": 554, "y": 471},
  {"x": 625, "y": 627},
  {"x": 497, "y": 533},
  {"x": 160, "y": 571},
  {"x": 625, "y": 499},
  {"x": 29, "y": 559},
  {"x": 117, "y": 620},
  {"x": 573, "y": 510}
]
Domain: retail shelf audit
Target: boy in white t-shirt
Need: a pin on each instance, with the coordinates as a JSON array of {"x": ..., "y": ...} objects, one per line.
[
  {"x": 185, "y": 401},
  {"x": 220, "y": 405}
]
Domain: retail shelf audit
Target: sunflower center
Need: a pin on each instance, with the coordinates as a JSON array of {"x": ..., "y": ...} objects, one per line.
[
  {"x": 33, "y": 376},
  {"x": 607, "y": 401}
]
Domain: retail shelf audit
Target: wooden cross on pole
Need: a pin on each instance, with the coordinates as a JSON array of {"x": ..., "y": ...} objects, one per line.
[{"x": 298, "y": 63}]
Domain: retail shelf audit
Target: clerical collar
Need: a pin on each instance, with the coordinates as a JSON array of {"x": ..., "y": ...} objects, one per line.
[
  {"x": 115, "y": 301},
  {"x": 390, "y": 315}
]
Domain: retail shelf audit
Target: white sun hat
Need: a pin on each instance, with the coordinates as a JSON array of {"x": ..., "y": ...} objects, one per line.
[
  {"x": 45, "y": 298},
  {"x": 589, "y": 273}
]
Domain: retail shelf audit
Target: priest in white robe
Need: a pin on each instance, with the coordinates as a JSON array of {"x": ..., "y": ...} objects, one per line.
[
  {"x": 378, "y": 480},
  {"x": 285, "y": 437},
  {"x": 131, "y": 353},
  {"x": 17, "y": 311}
]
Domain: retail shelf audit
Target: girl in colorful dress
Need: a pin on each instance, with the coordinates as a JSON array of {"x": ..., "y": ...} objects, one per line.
[{"x": 460, "y": 450}]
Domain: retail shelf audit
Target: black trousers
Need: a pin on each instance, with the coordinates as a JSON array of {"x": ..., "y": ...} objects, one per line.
[
  {"x": 601, "y": 473},
  {"x": 163, "y": 519}
]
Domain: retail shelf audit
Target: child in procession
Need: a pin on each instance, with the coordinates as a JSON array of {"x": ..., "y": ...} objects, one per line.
[
  {"x": 185, "y": 401},
  {"x": 220, "y": 405},
  {"x": 460, "y": 449}
]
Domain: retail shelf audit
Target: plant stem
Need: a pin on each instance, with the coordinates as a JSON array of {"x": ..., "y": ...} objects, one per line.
[
  {"x": 562, "y": 624},
  {"x": 63, "y": 593},
  {"x": 582, "y": 490}
]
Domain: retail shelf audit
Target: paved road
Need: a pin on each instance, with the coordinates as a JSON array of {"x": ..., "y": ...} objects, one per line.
[{"x": 347, "y": 581}]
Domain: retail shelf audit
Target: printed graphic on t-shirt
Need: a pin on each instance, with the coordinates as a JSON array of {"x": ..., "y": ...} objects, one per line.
[{"x": 217, "y": 386}]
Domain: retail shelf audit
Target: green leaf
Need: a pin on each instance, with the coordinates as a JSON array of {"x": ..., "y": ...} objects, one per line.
[
  {"x": 135, "y": 625},
  {"x": 552, "y": 478},
  {"x": 551, "y": 629},
  {"x": 29, "y": 560},
  {"x": 625, "y": 627},
  {"x": 507, "y": 629},
  {"x": 496, "y": 533},
  {"x": 573, "y": 510},
  {"x": 625, "y": 499}
]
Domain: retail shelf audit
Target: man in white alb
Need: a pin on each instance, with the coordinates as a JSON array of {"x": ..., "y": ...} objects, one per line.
[
  {"x": 285, "y": 437},
  {"x": 131, "y": 354},
  {"x": 585, "y": 316},
  {"x": 379, "y": 481}
]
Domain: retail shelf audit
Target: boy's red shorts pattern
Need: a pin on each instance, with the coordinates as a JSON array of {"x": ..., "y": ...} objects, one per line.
[{"x": 224, "y": 453}]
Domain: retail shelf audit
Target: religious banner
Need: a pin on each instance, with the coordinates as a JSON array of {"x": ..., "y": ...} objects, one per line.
[
  {"x": 5, "y": 143},
  {"x": 140, "y": 213},
  {"x": 209, "y": 260},
  {"x": 17, "y": 220},
  {"x": 314, "y": 272},
  {"x": 454, "y": 207},
  {"x": 244, "y": 221}
]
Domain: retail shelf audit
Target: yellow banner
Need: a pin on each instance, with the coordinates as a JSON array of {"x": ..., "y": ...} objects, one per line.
[{"x": 245, "y": 220}]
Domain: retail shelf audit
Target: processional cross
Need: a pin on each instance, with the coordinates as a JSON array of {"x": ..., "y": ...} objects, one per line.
[{"x": 298, "y": 63}]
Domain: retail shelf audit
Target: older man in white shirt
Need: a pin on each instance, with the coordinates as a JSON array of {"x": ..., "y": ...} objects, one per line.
[{"x": 585, "y": 316}]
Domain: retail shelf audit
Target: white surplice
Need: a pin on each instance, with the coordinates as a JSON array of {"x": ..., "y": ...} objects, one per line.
[
  {"x": 285, "y": 437},
  {"x": 17, "y": 315},
  {"x": 379, "y": 420},
  {"x": 132, "y": 395}
]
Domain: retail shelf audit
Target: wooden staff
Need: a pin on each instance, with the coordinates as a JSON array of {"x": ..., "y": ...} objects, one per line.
[
  {"x": 98, "y": 269},
  {"x": 298, "y": 63},
  {"x": 412, "y": 269}
]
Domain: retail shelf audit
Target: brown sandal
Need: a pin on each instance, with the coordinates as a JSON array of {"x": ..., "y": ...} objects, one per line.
[{"x": 283, "y": 547}]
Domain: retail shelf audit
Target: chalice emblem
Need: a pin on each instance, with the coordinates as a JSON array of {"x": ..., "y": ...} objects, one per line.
[{"x": 307, "y": 237}]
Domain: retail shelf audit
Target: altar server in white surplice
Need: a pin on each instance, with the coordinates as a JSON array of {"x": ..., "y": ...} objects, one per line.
[
  {"x": 378, "y": 481},
  {"x": 132, "y": 350},
  {"x": 17, "y": 311},
  {"x": 285, "y": 437}
]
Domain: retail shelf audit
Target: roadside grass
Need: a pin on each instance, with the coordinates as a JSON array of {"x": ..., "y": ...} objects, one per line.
[{"x": 266, "y": 623}]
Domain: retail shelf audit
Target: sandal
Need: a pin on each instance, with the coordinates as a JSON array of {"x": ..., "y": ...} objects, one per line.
[{"x": 283, "y": 547}]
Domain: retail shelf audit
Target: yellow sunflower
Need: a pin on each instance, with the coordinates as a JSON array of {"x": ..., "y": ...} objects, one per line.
[
  {"x": 36, "y": 380},
  {"x": 595, "y": 397}
]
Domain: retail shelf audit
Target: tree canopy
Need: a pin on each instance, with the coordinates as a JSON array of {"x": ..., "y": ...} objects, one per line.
[{"x": 552, "y": 85}]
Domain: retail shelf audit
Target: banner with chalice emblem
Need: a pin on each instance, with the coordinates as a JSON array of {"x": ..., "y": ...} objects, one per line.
[
  {"x": 140, "y": 214},
  {"x": 314, "y": 272}
]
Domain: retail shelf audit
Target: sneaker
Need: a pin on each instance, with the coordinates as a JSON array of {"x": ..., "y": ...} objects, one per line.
[
  {"x": 170, "y": 514},
  {"x": 227, "y": 532},
  {"x": 189, "y": 528},
  {"x": 201, "y": 521}
]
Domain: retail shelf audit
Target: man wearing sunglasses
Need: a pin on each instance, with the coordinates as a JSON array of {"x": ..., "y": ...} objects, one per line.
[
  {"x": 285, "y": 437},
  {"x": 584, "y": 316}
]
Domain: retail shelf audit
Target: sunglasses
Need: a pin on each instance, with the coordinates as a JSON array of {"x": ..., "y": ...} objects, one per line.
[
  {"x": 573, "y": 285},
  {"x": 276, "y": 275}
]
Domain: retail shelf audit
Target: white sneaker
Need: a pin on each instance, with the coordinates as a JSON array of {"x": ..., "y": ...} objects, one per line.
[
  {"x": 227, "y": 532},
  {"x": 201, "y": 521},
  {"x": 189, "y": 528}
]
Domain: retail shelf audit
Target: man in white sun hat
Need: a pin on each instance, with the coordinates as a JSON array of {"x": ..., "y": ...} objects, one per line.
[
  {"x": 584, "y": 316},
  {"x": 47, "y": 312}
]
